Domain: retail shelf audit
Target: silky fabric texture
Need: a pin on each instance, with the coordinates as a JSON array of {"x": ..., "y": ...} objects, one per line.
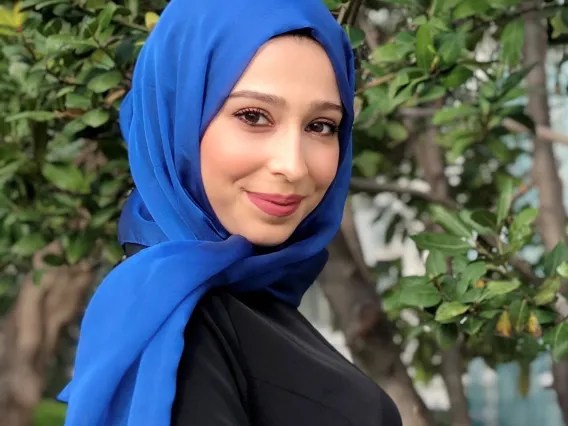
[{"x": 132, "y": 333}]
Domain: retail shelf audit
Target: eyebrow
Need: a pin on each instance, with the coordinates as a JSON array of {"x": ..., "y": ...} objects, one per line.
[{"x": 279, "y": 101}]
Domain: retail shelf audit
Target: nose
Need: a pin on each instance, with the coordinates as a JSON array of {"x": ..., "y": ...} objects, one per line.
[{"x": 288, "y": 156}]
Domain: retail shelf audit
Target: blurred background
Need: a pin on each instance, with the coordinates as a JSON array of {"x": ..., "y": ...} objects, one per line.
[{"x": 447, "y": 282}]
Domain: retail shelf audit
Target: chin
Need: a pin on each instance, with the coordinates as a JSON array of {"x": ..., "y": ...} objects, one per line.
[{"x": 268, "y": 237}]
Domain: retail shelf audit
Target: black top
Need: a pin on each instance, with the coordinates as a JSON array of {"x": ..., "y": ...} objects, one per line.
[{"x": 251, "y": 360}]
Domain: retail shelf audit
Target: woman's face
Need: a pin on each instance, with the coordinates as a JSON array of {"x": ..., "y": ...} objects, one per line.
[{"x": 272, "y": 151}]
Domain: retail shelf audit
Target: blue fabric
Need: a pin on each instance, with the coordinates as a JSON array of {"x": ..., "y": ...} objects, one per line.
[{"x": 132, "y": 332}]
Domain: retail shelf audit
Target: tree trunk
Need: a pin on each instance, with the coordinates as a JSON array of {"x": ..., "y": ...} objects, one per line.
[
  {"x": 429, "y": 158},
  {"x": 29, "y": 334},
  {"x": 350, "y": 290},
  {"x": 552, "y": 215}
]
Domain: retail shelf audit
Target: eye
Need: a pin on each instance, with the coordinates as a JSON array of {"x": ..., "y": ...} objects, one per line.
[
  {"x": 324, "y": 128},
  {"x": 253, "y": 117}
]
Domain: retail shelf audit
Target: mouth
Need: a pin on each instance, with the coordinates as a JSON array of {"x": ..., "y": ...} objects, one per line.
[{"x": 278, "y": 205}]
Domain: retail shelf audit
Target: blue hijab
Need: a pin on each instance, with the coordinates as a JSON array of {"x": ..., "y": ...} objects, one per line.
[{"x": 132, "y": 332}]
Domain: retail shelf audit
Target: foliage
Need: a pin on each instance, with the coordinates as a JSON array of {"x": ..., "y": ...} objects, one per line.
[
  {"x": 49, "y": 413},
  {"x": 433, "y": 68},
  {"x": 65, "y": 65}
]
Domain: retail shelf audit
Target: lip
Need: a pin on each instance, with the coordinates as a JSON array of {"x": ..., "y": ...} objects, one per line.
[{"x": 278, "y": 205}]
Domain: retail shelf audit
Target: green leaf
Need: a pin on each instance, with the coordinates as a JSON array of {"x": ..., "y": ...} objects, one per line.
[
  {"x": 390, "y": 52},
  {"x": 79, "y": 247},
  {"x": 105, "y": 16},
  {"x": 356, "y": 36},
  {"x": 418, "y": 291},
  {"x": 105, "y": 81},
  {"x": 32, "y": 115},
  {"x": 519, "y": 312},
  {"x": 524, "y": 218},
  {"x": 559, "y": 24},
  {"x": 459, "y": 263},
  {"x": 75, "y": 100},
  {"x": 470, "y": 8},
  {"x": 486, "y": 219},
  {"x": 436, "y": 264},
  {"x": 503, "y": 4},
  {"x": 425, "y": 51},
  {"x": 59, "y": 42},
  {"x": 547, "y": 291},
  {"x": 506, "y": 188},
  {"x": 101, "y": 217},
  {"x": 520, "y": 231},
  {"x": 562, "y": 270},
  {"x": 368, "y": 163},
  {"x": 28, "y": 245},
  {"x": 498, "y": 288},
  {"x": 489, "y": 313},
  {"x": 449, "y": 310},
  {"x": 451, "y": 48},
  {"x": 560, "y": 342},
  {"x": 397, "y": 131},
  {"x": 431, "y": 94},
  {"x": 447, "y": 244},
  {"x": 450, "y": 221},
  {"x": 66, "y": 177},
  {"x": 440, "y": 7},
  {"x": 53, "y": 260},
  {"x": 446, "y": 335},
  {"x": 544, "y": 316},
  {"x": 451, "y": 114},
  {"x": 512, "y": 37},
  {"x": 473, "y": 325},
  {"x": 513, "y": 80},
  {"x": 553, "y": 259},
  {"x": 333, "y": 4},
  {"x": 471, "y": 274},
  {"x": 113, "y": 252},
  {"x": 95, "y": 118},
  {"x": 467, "y": 217},
  {"x": 456, "y": 77}
]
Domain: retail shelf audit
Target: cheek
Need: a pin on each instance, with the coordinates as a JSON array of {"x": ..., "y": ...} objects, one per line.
[
  {"x": 226, "y": 157},
  {"x": 323, "y": 163}
]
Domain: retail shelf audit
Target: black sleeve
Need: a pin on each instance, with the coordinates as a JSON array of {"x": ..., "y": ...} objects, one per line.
[{"x": 211, "y": 387}]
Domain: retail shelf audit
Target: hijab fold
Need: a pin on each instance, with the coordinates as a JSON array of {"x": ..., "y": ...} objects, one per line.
[{"x": 132, "y": 333}]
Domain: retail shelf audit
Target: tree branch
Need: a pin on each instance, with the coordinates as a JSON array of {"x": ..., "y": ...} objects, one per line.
[
  {"x": 543, "y": 132},
  {"x": 552, "y": 215},
  {"x": 429, "y": 157},
  {"x": 350, "y": 289},
  {"x": 371, "y": 187}
]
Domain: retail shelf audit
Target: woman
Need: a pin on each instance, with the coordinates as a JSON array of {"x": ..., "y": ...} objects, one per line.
[{"x": 238, "y": 130}]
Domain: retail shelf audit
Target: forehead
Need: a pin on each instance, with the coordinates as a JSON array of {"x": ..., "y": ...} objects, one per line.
[{"x": 289, "y": 66}]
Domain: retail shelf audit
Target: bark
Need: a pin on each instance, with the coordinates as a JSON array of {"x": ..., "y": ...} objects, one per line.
[
  {"x": 552, "y": 215},
  {"x": 350, "y": 290},
  {"x": 29, "y": 334},
  {"x": 429, "y": 158}
]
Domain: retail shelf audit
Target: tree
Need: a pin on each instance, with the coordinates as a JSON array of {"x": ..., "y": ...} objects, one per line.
[
  {"x": 427, "y": 100},
  {"x": 63, "y": 173}
]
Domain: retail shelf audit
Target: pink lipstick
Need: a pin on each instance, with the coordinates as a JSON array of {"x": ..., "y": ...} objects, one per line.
[{"x": 276, "y": 204}]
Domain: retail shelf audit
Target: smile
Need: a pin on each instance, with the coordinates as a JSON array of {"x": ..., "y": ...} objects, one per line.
[{"x": 275, "y": 204}]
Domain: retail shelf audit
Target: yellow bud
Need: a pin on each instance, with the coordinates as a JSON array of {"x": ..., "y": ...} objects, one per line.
[
  {"x": 12, "y": 18},
  {"x": 151, "y": 19},
  {"x": 533, "y": 326},
  {"x": 504, "y": 326},
  {"x": 480, "y": 284}
]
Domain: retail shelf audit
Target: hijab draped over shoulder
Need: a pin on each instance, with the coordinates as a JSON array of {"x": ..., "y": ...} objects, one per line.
[{"x": 132, "y": 333}]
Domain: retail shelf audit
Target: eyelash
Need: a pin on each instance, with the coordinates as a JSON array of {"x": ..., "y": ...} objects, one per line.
[{"x": 241, "y": 116}]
